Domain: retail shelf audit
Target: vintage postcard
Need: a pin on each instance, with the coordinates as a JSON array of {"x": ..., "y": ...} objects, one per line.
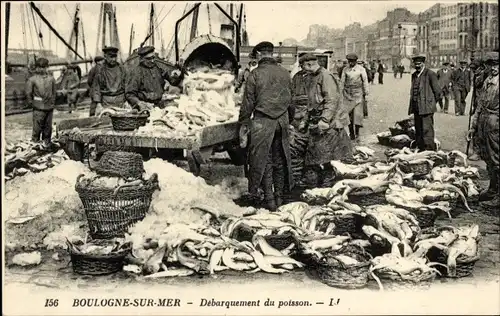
[{"x": 250, "y": 158}]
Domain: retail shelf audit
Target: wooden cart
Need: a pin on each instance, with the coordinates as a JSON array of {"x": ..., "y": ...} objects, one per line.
[{"x": 197, "y": 148}]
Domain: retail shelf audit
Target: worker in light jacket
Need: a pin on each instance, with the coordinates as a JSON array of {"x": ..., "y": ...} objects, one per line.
[
  {"x": 265, "y": 114},
  {"x": 354, "y": 89},
  {"x": 424, "y": 94},
  {"x": 109, "y": 84},
  {"x": 98, "y": 61},
  {"x": 41, "y": 96},
  {"x": 444, "y": 79}
]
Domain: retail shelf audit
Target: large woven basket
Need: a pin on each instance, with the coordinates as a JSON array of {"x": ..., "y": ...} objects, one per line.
[
  {"x": 384, "y": 140},
  {"x": 393, "y": 281},
  {"x": 334, "y": 273},
  {"x": 102, "y": 264},
  {"x": 425, "y": 217},
  {"x": 344, "y": 224},
  {"x": 406, "y": 124},
  {"x": 465, "y": 264},
  {"x": 110, "y": 215},
  {"x": 120, "y": 164},
  {"x": 418, "y": 169},
  {"x": 128, "y": 121}
]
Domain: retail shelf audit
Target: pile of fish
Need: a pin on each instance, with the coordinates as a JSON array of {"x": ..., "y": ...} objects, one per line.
[
  {"x": 401, "y": 135},
  {"x": 27, "y": 157}
]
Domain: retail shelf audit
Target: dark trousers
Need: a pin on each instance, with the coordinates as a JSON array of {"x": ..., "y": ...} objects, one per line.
[
  {"x": 381, "y": 78},
  {"x": 395, "y": 74},
  {"x": 42, "y": 125},
  {"x": 274, "y": 175},
  {"x": 93, "y": 107},
  {"x": 401, "y": 75},
  {"x": 424, "y": 132},
  {"x": 460, "y": 96},
  {"x": 446, "y": 96}
]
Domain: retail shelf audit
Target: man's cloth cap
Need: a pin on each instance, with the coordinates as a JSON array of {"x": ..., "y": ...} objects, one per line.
[
  {"x": 98, "y": 58},
  {"x": 143, "y": 51},
  {"x": 309, "y": 57},
  {"x": 491, "y": 58},
  {"x": 42, "y": 62},
  {"x": 110, "y": 50},
  {"x": 264, "y": 47},
  {"x": 419, "y": 58},
  {"x": 351, "y": 57}
]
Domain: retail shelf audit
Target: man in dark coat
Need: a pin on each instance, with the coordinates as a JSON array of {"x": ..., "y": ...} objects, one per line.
[
  {"x": 380, "y": 70},
  {"x": 460, "y": 80},
  {"x": 480, "y": 75},
  {"x": 326, "y": 123},
  {"x": 98, "y": 61},
  {"x": 444, "y": 79},
  {"x": 145, "y": 85},
  {"x": 485, "y": 129},
  {"x": 109, "y": 84},
  {"x": 265, "y": 113},
  {"x": 401, "y": 70},
  {"x": 70, "y": 85},
  {"x": 424, "y": 94},
  {"x": 41, "y": 96}
]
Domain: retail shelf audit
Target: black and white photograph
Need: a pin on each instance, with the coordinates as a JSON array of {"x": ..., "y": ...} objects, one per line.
[{"x": 250, "y": 158}]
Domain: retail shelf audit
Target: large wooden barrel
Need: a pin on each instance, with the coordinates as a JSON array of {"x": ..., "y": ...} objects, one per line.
[{"x": 206, "y": 50}]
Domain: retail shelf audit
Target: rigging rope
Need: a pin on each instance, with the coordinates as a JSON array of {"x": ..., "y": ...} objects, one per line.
[
  {"x": 39, "y": 34},
  {"x": 171, "y": 43},
  {"x": 209, "y": 22},
  {"x": 30, "y": 29}
]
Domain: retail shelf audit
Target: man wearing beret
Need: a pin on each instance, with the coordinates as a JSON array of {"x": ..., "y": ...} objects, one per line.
[
  {"x": 98, "y": 61},
  {"x": 460, "y": 80},
  {"x": 424, "y": 94},
  {"x": 41, "y": 96},
  {"x": 299, "y": 139},
  {"x": 326, "y": 123},
  {"x": 265, "y": 113},
  {"x": 109, "y": 84},
  {"x": 144, "y": 87},
  {"x": 444, "y": 79},
  {"x": 485, "y": 130},
  {"x": 354, "y": 89},
  {"x": 70, "y": 85}
]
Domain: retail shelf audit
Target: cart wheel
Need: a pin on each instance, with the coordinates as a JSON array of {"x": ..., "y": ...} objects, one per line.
[{"x": 194, "y": 165}]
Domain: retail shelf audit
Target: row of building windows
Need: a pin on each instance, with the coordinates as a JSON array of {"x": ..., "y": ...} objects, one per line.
[
  {"x": 448, "y": 35},
  {"x": 448, "y": 46},
  {"x": 449, "y": 22},
  {"x": 449, "y": 10}
]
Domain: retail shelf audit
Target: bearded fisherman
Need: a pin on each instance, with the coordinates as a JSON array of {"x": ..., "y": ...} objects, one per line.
[
  {"x": 265, "y": 113},
  {"x": 325, "y": 124},
  {"x": 109, "y": 83},
  {"x": 485, "y": 128},
  {"x": 354, "y": 87}
]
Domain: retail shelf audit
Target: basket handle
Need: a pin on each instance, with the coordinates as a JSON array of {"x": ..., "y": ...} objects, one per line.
[{"x": 78, "y": 180}]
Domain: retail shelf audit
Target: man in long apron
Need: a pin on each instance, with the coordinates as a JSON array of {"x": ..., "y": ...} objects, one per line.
[
  {"x": 265, "y": 113},
  {"x": 109, "y": 84},
  {"x": 354, "y": 88},
  {"x": 485, "y": 128},
  {"x": 326, "y": 123}
]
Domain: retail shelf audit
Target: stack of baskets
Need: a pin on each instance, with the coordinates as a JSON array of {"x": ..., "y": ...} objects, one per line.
[{"x": 111, "y": 211}]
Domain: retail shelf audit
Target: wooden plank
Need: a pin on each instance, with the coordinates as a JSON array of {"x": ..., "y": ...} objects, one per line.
[
  {"x": 218, "y": 134},
  {"x": 82, "y": 122}
]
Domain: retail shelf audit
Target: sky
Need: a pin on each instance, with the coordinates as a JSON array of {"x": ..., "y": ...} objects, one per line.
[{"x": 271, "y": 21}]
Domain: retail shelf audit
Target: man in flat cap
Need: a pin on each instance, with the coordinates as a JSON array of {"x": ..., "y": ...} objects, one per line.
[
  {"x": 326, "y": 123},
  {"x": 461, "y": 83},
  {"x": 354, "y": 89},
  {"x": 70, "y": 84},
  {"x": 265, "y": 113},
  {"x": 41, "y": 96},
  {"x": 109, "y": 84},
  {"x": 444, "y": 79},
  {"x": 145, "y": 84},
  {"x": 299, "y": 138},
  {"x": 425, "y": 92},
  {"x": 98, "y": 61},
  {"x": 485, "y": 129}
]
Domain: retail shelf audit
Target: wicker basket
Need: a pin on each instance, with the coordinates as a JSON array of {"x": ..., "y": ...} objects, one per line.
[
  {"x": 465, "y": 264},
  {"x": 128, "y": 121},
  {"x": 344, "y": 224},
  {"x": 399, "y": 144},
  {"x": 418, "y": 169},
  {"x": 281, "y": 242},
  {"x": 109, "y": 214},
  {"x": 425, "y": 217},
  {"x": 91, "y": 264},
  {"x": 396, "y": 131},
  {"x": 334, "y": 273},
  {"x": 367, "y": 197},
  {"x": 120, "y": 164},
  {"x": 384, "y": 140},
  {"x": 393, "y": 281},
  {"x": 74, "y": 150}
]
